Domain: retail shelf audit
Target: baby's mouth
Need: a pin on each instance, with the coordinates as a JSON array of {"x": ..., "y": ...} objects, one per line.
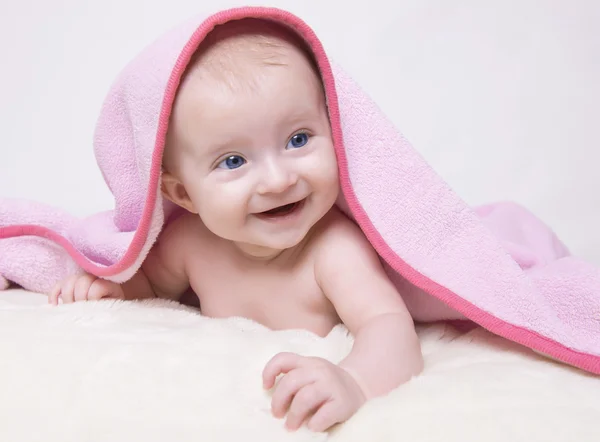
[{"x": 282, "y": 211}]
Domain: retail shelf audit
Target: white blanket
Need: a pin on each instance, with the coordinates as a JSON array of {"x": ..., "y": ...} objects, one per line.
[{"x": 157, "y": 371}]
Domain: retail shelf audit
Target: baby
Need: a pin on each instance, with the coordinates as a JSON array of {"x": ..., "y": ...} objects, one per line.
[{"x": 250, "y": 158}]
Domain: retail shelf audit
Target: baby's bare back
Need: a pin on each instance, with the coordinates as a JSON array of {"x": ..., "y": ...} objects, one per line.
[{"x": 281, "y": 294}]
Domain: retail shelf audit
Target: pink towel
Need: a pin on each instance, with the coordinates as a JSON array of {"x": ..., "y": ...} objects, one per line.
[{"x": 497, "y": 265}]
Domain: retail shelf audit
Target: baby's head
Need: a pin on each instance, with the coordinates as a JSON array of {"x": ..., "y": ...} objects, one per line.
[{"x": 249, "y": 146}]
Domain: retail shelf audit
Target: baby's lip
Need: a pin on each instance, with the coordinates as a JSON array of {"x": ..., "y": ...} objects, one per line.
[
  {"x": 280, "y": 213},
  {"x": 295, "y": 201}
]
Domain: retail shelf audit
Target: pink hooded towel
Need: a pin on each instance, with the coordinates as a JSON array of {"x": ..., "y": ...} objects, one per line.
[{"x": 497, "y": 265}]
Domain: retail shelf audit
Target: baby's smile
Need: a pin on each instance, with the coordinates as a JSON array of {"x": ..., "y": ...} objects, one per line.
[{"x": 286, "y": 212}]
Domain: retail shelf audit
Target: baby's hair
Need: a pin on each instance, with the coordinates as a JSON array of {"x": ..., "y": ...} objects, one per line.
[{"x": 231, "y": 52}]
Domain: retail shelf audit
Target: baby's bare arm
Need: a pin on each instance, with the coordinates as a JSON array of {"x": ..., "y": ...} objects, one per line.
[
  {"x": 162, "y": 274},
  {"x": 386, "y": 351}
]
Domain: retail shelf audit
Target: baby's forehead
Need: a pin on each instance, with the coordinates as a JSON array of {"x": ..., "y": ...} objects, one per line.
[{"x": 232, "y": 49}]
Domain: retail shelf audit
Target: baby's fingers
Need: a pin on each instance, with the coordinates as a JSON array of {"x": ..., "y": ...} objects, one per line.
[
  {"x": 280, "y": 363},
  {"x": 305, "y": 402},
  {"x": 82, "y": 287},
  {"x": 286, "y": 389},
  {"x": 329, "y": 414},
  {"x": 67, "y": 291},
  {"x": 102, "y": 288},
  {"x": 54, "y": 294}
]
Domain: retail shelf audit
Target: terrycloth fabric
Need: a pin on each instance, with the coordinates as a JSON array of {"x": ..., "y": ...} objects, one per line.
[{"x": 498, "y": 266}]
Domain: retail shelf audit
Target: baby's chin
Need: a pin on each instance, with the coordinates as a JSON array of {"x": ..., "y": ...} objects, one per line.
[
  {"x": 269, "y": 244},
  {"x": 280, "y": 242}
]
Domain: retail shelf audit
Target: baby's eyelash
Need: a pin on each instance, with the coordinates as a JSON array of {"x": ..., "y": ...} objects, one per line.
[
  {"x": 301, "y": 131},
  {"x": 215, "y": 164}
]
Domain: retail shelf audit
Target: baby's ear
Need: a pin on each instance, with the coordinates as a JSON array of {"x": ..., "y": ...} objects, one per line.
[{"x": 174, "y": 190}]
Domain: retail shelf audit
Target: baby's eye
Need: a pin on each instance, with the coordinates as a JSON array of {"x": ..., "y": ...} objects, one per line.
[
  {"x": 232, "y": 162},
  {"x": 298, "y": 140}
]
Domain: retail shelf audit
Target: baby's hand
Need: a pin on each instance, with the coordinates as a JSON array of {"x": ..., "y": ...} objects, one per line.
[
  {"x": 312, "y": 389},
  {"x": 84, "y": 287}
]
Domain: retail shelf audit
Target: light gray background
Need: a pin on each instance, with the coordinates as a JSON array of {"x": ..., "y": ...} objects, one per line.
[{"x": 501, "y": 97}]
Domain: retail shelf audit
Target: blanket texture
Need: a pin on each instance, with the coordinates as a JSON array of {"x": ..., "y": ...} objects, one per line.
[
  {"x": 497, "y": 265},
  {"x": 155, "y": 371}
]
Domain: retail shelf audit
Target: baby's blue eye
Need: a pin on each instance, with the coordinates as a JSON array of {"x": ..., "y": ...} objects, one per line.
[
  {"x": 232, "y": 162},
  {"x": 298, "y": 140}
]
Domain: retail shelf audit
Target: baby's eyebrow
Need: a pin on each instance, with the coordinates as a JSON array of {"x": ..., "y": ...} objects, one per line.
[
  {"x": 212, "y": 151},
  {"x": 300, "y": 116},
  {"x": 287, "y": 123},
  {"x": 224, "y": 145}
]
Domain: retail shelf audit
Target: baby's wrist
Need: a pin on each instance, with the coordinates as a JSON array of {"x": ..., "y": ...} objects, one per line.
[{"x": 360, "y": 383}]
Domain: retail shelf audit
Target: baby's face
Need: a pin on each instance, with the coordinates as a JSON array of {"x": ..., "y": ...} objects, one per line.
[{"x": 258, "y": 162}]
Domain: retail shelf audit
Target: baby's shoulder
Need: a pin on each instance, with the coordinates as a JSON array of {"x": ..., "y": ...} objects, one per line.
[
  {"x": 338, "y": 236},
  {"x": 343, "y": 253},
  {"x": 183, "y": 230}
]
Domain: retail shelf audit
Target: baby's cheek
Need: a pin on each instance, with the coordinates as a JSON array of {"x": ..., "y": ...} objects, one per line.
[
  {"x": 322, "y": 164},
  {"x": 221, "y": 212},
  {"x": 329, "y": 175}
]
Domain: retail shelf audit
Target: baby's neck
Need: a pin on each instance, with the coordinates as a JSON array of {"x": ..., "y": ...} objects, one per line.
[
  {"x": 263, "y": 254},
  {"x": 258, "y": 253}
]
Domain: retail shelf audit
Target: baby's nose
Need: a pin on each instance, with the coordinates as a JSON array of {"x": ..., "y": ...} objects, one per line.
[{"x": 277, "y": 179}]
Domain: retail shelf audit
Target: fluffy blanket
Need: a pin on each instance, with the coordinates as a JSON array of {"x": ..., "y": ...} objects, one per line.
[{"x": 156, "y": 371}]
